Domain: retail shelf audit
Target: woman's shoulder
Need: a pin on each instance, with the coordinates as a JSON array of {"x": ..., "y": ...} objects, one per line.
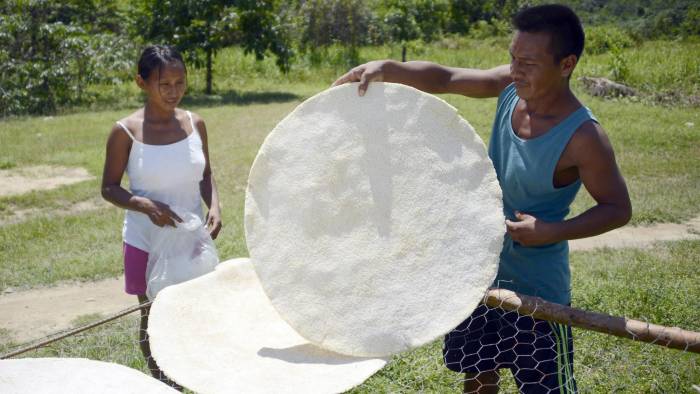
[
  {"x": 195, "y": 116},
  {"x": 133, "y": 120},
  {"x": 187, "y": 116}
]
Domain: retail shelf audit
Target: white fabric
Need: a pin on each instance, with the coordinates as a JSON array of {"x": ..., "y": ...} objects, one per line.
[
  {"x": 219, "y": 334},
  {"x": 374, "y": 223},
  {"x": 166, "y": 173},
  {"x": 75, "y": 376}
]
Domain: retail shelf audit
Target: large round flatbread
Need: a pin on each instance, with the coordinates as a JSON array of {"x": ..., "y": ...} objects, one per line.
[
  {"x": 374, "y": 223},
  {"x": 74, "y": 375},
  {"x": 219, "y": 334}
]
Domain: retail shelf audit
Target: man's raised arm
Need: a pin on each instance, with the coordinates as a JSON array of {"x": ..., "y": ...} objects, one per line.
[{"x": 431, "y": 77}]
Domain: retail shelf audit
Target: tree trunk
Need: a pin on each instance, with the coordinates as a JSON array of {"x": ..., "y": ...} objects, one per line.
[
  {"x": 209, "y": 71},
  {"x": 403, "y": 53}
]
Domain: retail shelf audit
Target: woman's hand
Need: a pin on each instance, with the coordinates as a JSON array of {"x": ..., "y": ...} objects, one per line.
[
  {"x": 214, "y": 222},
  {"x": 159, "y": 213}
]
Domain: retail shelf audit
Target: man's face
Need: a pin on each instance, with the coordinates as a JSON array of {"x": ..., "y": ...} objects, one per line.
[{"x": 532, "y": 65}]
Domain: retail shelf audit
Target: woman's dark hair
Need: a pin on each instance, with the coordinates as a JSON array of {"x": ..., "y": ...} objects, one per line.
[
  {"x": 154, "y": 57},
  {"x": 560, "y": 22}
]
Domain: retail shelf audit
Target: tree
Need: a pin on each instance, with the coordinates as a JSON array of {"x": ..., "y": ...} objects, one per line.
[
  {"x": 200, "y": 28},
  {"x": 463, "y": 13},
  {"x": 51, "y": 51},
  {"x": 401, "y": 25},
  {"x": 261, "y": 29},
  {"x": 323, "y": 23},
  {"x": 407, "y": 20}
]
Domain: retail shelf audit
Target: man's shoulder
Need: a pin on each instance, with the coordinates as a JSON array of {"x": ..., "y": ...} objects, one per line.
[
  {"x": 589, "y": 131},
  {"x": 507, "y": 91},
  {"x": 588, "y": 142},
  {"x": 507, "y": 98}
]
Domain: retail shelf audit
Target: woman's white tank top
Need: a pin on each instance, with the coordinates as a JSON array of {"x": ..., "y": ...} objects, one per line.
[{"x": 167, "y": 173}]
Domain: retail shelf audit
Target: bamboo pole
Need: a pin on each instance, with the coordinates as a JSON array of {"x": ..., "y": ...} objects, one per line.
[{"x": 672, "y": 337}]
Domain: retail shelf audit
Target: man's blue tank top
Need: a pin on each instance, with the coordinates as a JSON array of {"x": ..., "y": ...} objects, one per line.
[{"x": 525, "y": 170}]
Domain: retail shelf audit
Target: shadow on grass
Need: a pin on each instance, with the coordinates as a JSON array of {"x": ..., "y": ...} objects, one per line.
[{"x": 238, "y": 98}]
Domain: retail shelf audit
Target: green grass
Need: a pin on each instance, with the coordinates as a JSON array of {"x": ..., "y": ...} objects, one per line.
[
  {"x": 655, "y": 149},
  {"x": 655, "y": 66},
  {"x": 659, "y": 285},
  {"x": 115, "y": 342},
  {"x": 656, "y": 152},
  {"x": 607, "y": 281}
]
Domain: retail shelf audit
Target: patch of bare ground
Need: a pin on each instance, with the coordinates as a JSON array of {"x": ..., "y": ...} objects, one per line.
[
  {"x": 17, "y": 215},
  {"x": 21, "y": 180},
  {"x": 36, "y": 313},
  {"x": 641, "y": 236}
]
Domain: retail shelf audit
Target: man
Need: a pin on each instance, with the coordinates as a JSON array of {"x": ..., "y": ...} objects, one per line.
[{"x": 544, "y": 145}]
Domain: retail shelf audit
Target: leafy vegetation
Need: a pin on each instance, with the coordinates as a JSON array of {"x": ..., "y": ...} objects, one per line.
[
  {"x": 200, "y": 28},
  {"x": 52, "y": 52},
  {"x": 77, "y": 53},
  {"x": 646, "y": 19}
]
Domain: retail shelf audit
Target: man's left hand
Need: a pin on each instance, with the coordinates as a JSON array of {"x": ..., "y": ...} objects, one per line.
[{"x": 530, "y": 231}]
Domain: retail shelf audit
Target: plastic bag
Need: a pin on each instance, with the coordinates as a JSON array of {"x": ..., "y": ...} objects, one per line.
[{"x": 179, "y": 254}]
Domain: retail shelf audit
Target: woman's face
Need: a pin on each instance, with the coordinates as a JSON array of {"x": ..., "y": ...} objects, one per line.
[{"x": 166, "y": 86}]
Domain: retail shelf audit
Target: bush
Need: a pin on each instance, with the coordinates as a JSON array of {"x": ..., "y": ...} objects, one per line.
[
  {"x": 601, "y": 39},
  {"x": 494, "y": 28},
  {"x": 619, "y": 70},
  {"x": 691, "y": 25},
  {"x": 322, "y": 23}
]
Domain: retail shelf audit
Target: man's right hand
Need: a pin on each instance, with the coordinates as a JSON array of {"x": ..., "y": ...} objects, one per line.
[
  {"x": 364, "y": 74},
  {"x": 431, "y": 77}
]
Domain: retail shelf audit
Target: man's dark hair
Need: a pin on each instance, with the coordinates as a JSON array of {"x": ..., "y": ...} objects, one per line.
[
  {"x": 560, "y": 22},
  {"x": 156, "y": 56}
]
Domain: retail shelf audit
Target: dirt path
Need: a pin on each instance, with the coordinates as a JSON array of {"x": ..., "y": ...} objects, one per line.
[
  {"x": 36, "y": 313},
  {"x": 18, "y": 215},
  {"x": 33, "y": 314},
  {"x": 22, "y": 180},
  {"x": 640, "y": 237}
]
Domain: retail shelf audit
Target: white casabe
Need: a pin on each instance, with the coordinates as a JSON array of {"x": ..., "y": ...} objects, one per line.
[
  {"x": 219, "y": 334},
  {"x": 75, "y": 376},
  {"x": 375, "y": 222}
]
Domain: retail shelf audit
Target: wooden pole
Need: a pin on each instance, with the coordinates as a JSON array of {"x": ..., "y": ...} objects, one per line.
[{"x": 672, "y": 337}]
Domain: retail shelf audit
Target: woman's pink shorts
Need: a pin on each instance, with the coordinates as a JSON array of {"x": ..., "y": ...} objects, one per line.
[{"x": 135, "y": 262}]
